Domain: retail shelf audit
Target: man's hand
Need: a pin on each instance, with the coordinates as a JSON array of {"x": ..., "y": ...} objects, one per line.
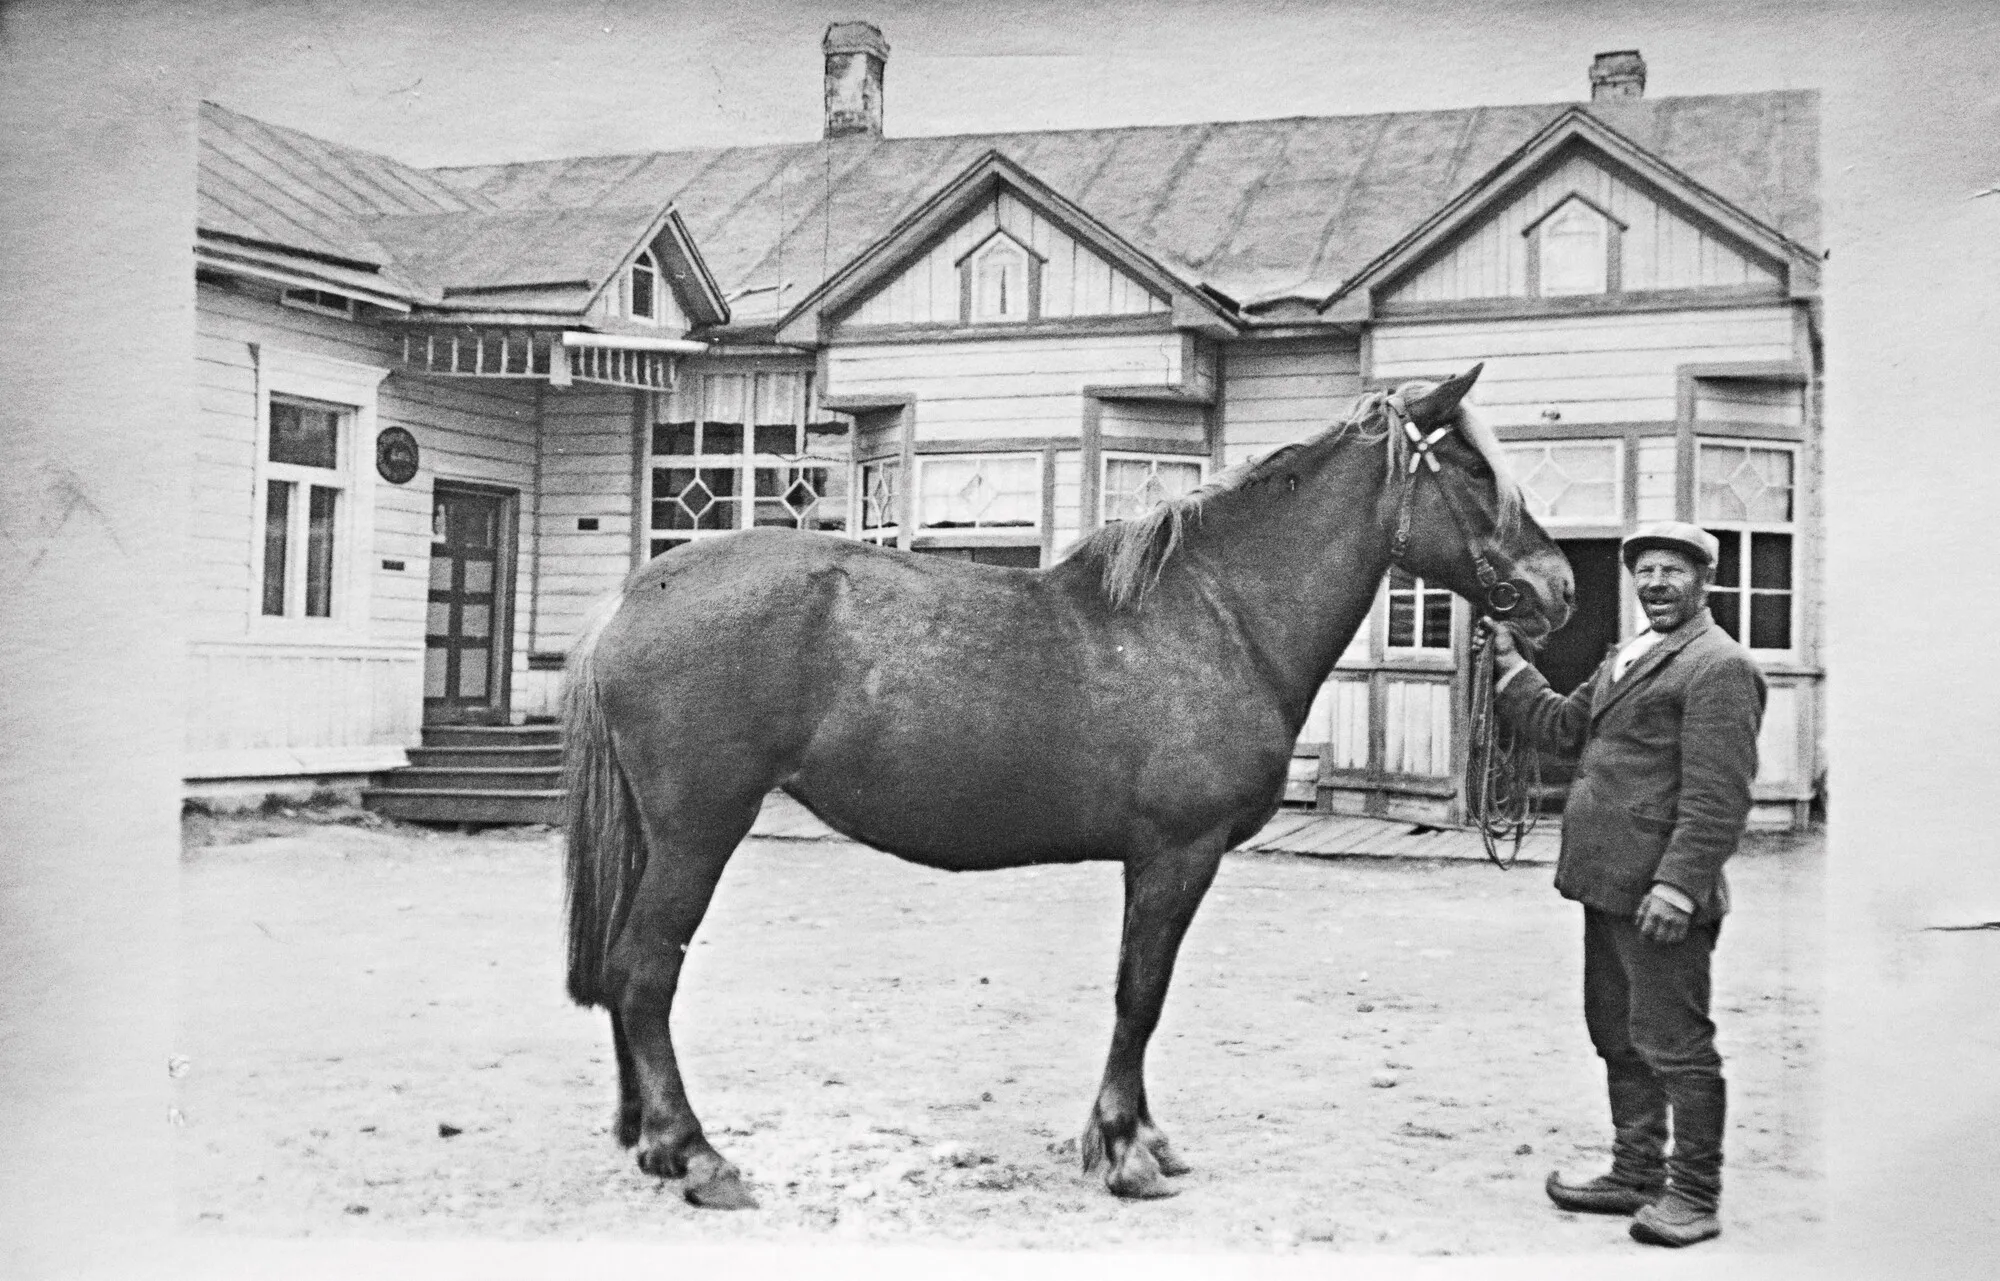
[
  {"x": 1506, "y": 653},
  {"x": 1660, "y": 920}
]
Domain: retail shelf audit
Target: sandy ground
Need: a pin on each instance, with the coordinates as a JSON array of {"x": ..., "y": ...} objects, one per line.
[{"x": 1358, "y": 1055}]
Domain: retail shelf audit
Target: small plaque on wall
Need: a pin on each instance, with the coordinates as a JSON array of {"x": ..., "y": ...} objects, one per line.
[{"x": 396, "y": 455}]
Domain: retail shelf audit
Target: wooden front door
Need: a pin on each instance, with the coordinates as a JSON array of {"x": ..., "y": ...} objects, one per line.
[{"x": 467, "y": 635}]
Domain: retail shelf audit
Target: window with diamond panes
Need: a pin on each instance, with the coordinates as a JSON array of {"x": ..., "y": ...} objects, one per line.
[
  {"x": 1135, "y": 484},
  {"x": 881, "y": 494},
  {"x": 980, "y": 491},
  {"x": 738, "y": 451},
  {"x": 1419, "y": 613},
  {"x": 1745, "y": 496},
  {"x": 1570, "y": 482}
]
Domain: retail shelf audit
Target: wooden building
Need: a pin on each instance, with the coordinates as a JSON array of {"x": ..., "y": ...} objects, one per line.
[{"x": 983, "y": 347}]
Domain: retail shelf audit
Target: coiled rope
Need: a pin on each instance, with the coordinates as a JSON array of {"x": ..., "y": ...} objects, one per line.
[{"x": 1503, "y": 774}]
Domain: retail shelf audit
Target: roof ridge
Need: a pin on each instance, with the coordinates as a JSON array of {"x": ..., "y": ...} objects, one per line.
[{"x": 815, "y": 143}]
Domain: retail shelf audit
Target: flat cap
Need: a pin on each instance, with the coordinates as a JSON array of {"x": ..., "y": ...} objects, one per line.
[{"x": 1673, "y": 536}]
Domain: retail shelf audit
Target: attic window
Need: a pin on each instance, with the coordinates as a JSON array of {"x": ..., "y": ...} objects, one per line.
[
  {"x": 1000, "y": 280},
  {"x": 329, "y": 304},
  {"x": 644, "y": 287},
  {"x": 1575, "y": 244}
]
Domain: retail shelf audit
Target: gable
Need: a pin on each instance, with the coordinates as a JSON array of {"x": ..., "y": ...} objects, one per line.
[
  {"x": 1073, "y": 280},
  {"x": 1657, "y": 245}
]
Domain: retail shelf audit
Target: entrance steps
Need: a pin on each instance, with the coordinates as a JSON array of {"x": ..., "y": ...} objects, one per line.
[{"x": 476, "y": 774}]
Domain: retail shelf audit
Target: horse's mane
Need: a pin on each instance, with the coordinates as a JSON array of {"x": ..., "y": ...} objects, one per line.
[{"x": 1133, "y": 553}]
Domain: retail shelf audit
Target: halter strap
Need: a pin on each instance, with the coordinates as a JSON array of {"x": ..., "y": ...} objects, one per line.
[{"x": 1501, "y": 596}]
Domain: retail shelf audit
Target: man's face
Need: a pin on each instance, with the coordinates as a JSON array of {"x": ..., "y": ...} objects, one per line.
[{"x": 1671, "y": 587}]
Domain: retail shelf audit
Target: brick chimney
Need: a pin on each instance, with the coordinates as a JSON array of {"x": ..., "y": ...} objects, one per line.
[
  {"x": 1612, "y": 75},
  {"x": 855, "y": 56}
]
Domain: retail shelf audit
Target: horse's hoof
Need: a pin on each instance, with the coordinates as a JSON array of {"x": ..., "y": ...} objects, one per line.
[
  {"x": 627, "y": 1128},
  {"x": 1137, "y": 1176},
  {"x": 715, "y": 1184}
]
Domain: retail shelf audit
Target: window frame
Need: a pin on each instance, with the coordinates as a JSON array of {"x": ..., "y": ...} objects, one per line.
[
  {"x": 1613, "y": 521},
  {"x": 1107, "y": 456},
  {"x": 925, "y": 535},
  {"x": 295, "y": 296},
  {"x": 1394, "y": 652},
  {"x": 649, "y": 261},
  {"x": 1613, "y": 246},
  {"x": 349, "y": 389},
  {"x": 971, "y": 293},
  {"x": 1791, "y": 528},
  {"x": 834, "y": 503}
]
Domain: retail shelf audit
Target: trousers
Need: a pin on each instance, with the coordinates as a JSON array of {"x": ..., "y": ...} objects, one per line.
[{"x": 1646, "y": 1005}]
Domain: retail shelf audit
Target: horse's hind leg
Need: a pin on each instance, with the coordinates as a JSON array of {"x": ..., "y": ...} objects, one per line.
[
  {"x": 686, "y": 855},
  {"x": 1161, "y": 894}
]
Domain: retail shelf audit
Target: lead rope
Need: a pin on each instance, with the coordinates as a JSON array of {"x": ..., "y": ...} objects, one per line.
[{"x": 1503, "y": 774}]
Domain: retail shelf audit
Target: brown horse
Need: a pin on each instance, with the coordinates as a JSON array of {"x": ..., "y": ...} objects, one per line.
[{"x": 1137, "y": 702}]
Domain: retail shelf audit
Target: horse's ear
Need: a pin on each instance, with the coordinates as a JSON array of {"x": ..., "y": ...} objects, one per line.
[{"x": 1443, "y": 399}]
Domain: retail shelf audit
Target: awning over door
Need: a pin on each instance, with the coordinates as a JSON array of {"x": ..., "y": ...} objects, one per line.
[{"x": 560, "y": 356}]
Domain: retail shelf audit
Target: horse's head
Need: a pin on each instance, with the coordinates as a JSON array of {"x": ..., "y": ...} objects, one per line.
[{"x": 1457, "y": 517}]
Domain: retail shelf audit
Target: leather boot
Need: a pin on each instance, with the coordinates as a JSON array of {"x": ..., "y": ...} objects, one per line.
[
  {"x": 1674, "y": 1221},
  {"x": 1605, "y": 1194}
]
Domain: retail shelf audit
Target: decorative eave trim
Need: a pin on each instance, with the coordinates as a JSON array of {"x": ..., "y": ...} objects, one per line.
[
  {"x": 1576, "y": 197},
  {"x": 997, "y": 233},
  {"x": 803, "y": 324},
  {"x": 1573, "y": 125}
]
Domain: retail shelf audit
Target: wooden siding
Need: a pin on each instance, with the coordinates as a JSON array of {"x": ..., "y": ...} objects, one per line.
[
  {"x": 283, "y": 687},
  {"x": 1612, "y": 368},
  {"x": 1656, "y": 486},
  {"x": 1279, "y": 392},
  {"x": 1154, "y": 420},
  {"x": 1659, "y": 248},
  {"x": 261, "y": 709},
  {"x": 1010, "y": 387},
  {"x": 1740, "y": 400},
  {"x": 1075, "y": 280},
  {"x": 587, "y": 472}
]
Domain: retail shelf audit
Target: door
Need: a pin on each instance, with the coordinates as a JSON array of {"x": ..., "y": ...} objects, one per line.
[
  {"x": 467, "y": 650},
  {"x": 1572, "y": 654}
]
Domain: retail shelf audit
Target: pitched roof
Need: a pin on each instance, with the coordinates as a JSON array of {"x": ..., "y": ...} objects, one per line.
[
  {"x": 266, "y": 185},
  {"x": 280, "y": 199},
  {"x": 1259, "y": 210}
]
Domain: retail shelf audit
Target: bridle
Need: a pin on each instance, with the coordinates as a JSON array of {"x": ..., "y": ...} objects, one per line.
[
  {"x": 1502, "y": 597},
  {"x": 1502, "y": 775}
]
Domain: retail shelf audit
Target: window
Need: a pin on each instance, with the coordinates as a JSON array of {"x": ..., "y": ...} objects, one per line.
[
  {"x": 1570, "y": 482},
  {"x": 980, "y": 491},
  {"x": 1134, "y": 484},
  {"x": 1000, "y": 282},
  {"x": 643, "y": 287},
  {"x": 302, "y": 484},
  {"x": 319, "y": 300},
  {"x": 1419, "y": 613},
  {"x": 738, "y": 451},
  {"x": 1744, "y": 495},
  {"x": 1575, "y": 251},
  {"x": 881, "y": 494}
]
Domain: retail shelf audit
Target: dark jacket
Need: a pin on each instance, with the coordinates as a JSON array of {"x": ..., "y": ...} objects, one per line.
[{"x": 1665, "y": 755}]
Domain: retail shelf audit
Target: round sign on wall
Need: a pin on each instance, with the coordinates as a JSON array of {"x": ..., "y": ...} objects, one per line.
[{"x": 396, "y": 455}]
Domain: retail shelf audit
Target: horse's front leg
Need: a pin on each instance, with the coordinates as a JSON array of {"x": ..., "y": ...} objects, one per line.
[{"x": 1162, "y": 891}]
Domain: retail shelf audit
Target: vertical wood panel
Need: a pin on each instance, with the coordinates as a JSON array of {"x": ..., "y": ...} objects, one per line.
[{"x": 1778, "y": 739}]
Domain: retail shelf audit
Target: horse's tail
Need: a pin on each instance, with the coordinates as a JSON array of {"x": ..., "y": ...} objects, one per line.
[{"x": 607, "y": 851}]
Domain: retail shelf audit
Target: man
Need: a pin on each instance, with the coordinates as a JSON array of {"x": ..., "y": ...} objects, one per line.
[{"x": 1666, "y": 736}]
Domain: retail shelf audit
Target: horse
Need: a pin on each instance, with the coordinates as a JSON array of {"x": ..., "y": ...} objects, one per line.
[{"x": 1136, "y": 702}]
